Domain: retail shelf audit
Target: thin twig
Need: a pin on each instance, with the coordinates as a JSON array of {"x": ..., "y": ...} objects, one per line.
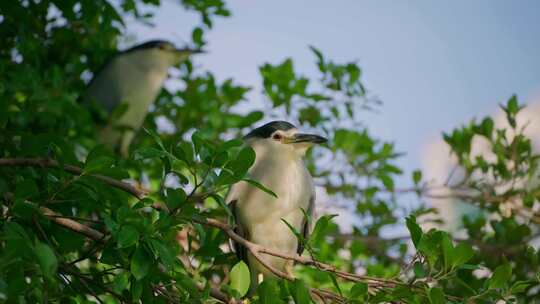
[
  {"x": 51, "y": 163},
  {"x": 256, "y": 250},
  {"x": 73, "y": 225}
]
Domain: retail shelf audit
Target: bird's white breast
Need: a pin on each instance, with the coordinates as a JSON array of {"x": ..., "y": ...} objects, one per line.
[
  {"x": 130, "y": 79},
  {"x": 261, "y": 214},
  {"x": 146, "y": 82}
]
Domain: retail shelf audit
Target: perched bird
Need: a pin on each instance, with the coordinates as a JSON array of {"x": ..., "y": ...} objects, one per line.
[
  {"x": 279, "y": 165},
  {"x": 134, "y": 77}
]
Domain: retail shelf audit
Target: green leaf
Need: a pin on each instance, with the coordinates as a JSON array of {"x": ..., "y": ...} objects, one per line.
[
  {"x": 512, "y": 105},
  {"x": 184, "y": 151},
  {"x": 198, "y": 141},
  {"x": 240, "y": 278},
  {"x": 469, "y": 267},
  {"x": 148, "y": 153},
  {"x": 299, "y": 292},
  {"x": 387, "y": 181},
  {"x": 268, "y": 292},
  {"x": 414, "y": 230},
  {"x": 335, "y": 283},
  {"x": 501, "y": 276},
  {"x": 120, "y": 282},
  {"x": 448, "y": 250},
  {"x": 175, "y": 198},
  {"x": 243, "y": 161},
  {"x": 136, "y": 289},
  {"x": 320, "y": 227},
  {"x": 186, "y": 283},
  {"x": 13, "y": 230},
  {"x": 520, "y": 286},
  {"x": 436, "y": 296},
  {"x": 140, "y": 263},
  {"x": 164, "y": 253},
  {"x": 128, "y": 236},
  {"x": 98, "y": 164},
  {"x": 487, "y": 127},
  {"x": 319, "y": 56},
  {"x": 462, "y": 254},
  {"x": 260, "y": 186},
  {"x": 23, "y": 209},
  {"x": 230, "y": 144},
  {"x": 429, "y": 246},
  {"x": 109, "y": 254},
  {"x": 220, "y": 159},
  {"x": 359, "y": 291},
  {"x": 419, "y": 271},
  {"x": 197, "y": 36},
  {"x": 26, "y": 189},
  {"x": 223, "y": 205},
  {"x": 417, "y": 176},
  {"x": 155, "y": 137},
  {"x": 201, "y": 232},
  {"x": 295, "y": 231},
  {"x": 46, "y": 259}
]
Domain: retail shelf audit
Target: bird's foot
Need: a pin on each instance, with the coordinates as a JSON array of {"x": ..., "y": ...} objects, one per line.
[{"x": 289, "y": 268}]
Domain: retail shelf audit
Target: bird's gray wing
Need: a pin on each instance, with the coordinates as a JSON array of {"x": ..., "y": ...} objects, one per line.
[
  {"x": 306, "y": 224},
  {"x": 104, "y": 88},
  {"x": 241, "y": 251}
]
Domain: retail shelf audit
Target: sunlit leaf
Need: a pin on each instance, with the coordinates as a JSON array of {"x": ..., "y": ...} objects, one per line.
[
  {"x": 240, "y": 278},
  {"x": 500, "y": 276}
]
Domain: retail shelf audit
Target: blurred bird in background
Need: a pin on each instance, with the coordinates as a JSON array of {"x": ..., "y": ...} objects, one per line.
[
  {"x": 279, "y": 165},
  {"x": 133, "y": 77}
]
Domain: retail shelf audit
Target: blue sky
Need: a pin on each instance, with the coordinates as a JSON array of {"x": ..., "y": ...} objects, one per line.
[{"x": 434, "y": 64}]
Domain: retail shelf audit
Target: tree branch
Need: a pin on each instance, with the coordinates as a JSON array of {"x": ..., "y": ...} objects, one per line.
[
  {"x": 73, "y": 225},
  {"x": 66, "y": 222},
  {"x": 256, "y": 250},
  {"x": 51, "y": 163}
]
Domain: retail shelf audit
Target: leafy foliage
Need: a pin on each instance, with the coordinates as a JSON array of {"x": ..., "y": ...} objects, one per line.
[{"x": 80, "y": 224}]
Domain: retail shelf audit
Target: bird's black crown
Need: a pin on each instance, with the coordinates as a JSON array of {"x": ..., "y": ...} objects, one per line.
[
  {"x": 148, "y": 45},
  {"x": 266, "y": 130}
]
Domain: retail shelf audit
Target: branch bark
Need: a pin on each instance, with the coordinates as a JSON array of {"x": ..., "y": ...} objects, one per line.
[
  {"x": 73, "y": 225},
  {"x": 51, "y": 163},
  {"x": 256, "y": 250}
]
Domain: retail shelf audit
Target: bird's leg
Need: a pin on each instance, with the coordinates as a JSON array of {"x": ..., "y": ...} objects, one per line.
[
  {"x": 289, "y": 265},
  {"x": 125, "y": 142},
  {"x": 109, "y": 136}
]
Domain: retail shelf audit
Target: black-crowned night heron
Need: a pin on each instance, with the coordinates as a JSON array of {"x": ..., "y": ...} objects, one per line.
[
  {"x": 135, "y": 77},
  {"x": 279, "y": 165}
]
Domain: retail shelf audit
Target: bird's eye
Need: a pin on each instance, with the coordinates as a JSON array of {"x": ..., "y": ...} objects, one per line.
[{"x": 277, "y": 136}]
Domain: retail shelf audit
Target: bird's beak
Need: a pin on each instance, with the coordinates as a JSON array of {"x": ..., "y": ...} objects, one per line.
[
  {"x": 305, "y": 138},
  {"x": 187, "y": 51}
]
